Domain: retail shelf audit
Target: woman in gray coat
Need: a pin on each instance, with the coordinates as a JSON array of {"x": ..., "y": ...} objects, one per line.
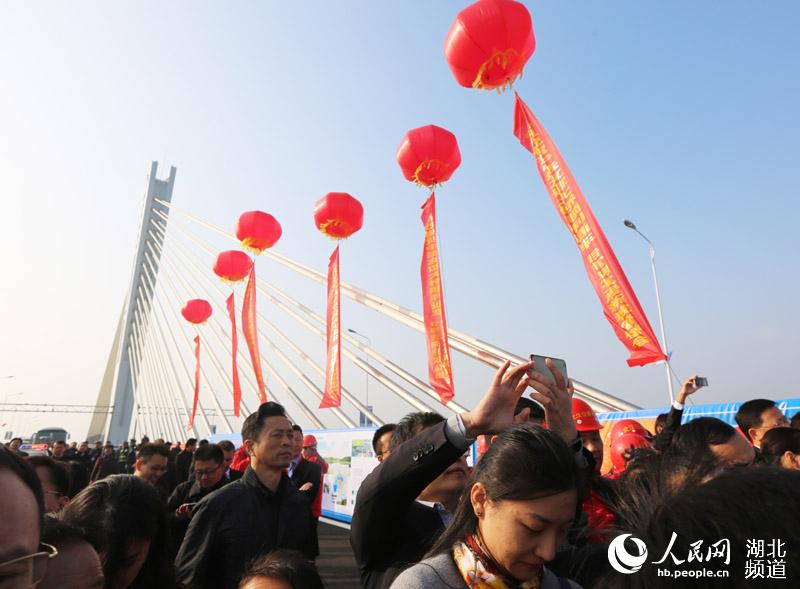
[{"x": 515, "y": 514}]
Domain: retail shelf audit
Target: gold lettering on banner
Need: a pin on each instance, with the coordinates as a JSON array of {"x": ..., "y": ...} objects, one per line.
[{"x": 570, "y": 210}]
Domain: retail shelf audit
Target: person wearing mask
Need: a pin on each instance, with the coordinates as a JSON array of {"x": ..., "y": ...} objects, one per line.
[
  {"x": 124, "y": 520},
  {"x": 229, "y": 451},
  {"x": 514, "y": 515},
  {"x": 77, "y": 565},
  {"x": 55, "y": 482},
  {"x": 781, "y": 447},
  {"x": 209, "y": 476},
  {"x": 415, "y": 490},
  {"x": 183, "y": 461},
  {"x": 23, "y": 559},
  {"x": 151, "y": 465},
  {"x": 756, "y": 417},
  {"x": 381, "y": 439},
  {"x": 260, "y": 512},
  {"x": 105, "y": 465}
]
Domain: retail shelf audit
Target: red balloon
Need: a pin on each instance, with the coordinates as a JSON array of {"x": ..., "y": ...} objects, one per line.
[
  {"x": 489, "y": 43},
  {"x": 621, "y": 445},
  {"x": 428, "y": 155},
  {"x": 232, "y": 266},
  {"x": 338, "y": 215},
  {"x": 196, "y": 311},
  {"x": 257, "y": 231},
  {"x": 628, "y": 426}
]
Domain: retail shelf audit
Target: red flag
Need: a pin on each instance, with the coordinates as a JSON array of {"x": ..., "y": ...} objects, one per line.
[
  {"x": 440, "y": 372},
  {"x": 196, "y": 381},
  {"x": 333, "y": 367},
  {"x": 250, "y": 331},
  {"x": 237, "y": 387},
  {"x": 620, "y": 305}
]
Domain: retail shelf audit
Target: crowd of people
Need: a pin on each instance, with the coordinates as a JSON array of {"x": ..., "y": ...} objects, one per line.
[{"x": 538, "y": 509}]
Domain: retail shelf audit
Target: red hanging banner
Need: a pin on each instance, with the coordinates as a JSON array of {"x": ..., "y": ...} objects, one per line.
[
  {"x": 440, "y": 372},
  {"x": 196, "y": 381},
  {"x": 237, "y": 387},
  {"x": 620, "y": 305},
  {"x": 333, "y": 367},
  {"x": 250, "y": 331}
]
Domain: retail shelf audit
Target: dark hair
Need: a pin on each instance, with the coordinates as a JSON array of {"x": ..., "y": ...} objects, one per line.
[
  {"x": 24, "y": 471},
  {"x": 20, "y": 439},
  {"x": 58, "y": 473},
  {"x": 661, "y": 420},
  {"x": 738, "y": 505},
  {"x": 777, "y": 441},
  {"x": 525, "y": 462},
  {"x": 749, "y": 414},
  {"x": 384, "y": 429},
  {"x": 59, "y": 442},
  {"x": 60, "y": 534},
  {"x": 795, "y": 422},
  {"x": 202, "y": 442},
  {"x": 297, "y": 428},
  {"x": 251, "y": 428},
  {"x": 191, "y": 442},
  {"x": 286, "y": 565},
  {"x": 537, "y": 411},
  {"x": 209, "y": 452},
  {"x": 411, "y": 425},
  {"x": 78, "y": 477},
  {"x": 147, "y": 451},
  {"x": 696, "y": 437},
  {"x": 227, "y": 446},
  {"x": 111, "y": 511}
]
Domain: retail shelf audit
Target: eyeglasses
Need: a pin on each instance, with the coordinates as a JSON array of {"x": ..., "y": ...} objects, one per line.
[
  {"x": 206, "y": 473},
  {"x": 27, "y": 570}
]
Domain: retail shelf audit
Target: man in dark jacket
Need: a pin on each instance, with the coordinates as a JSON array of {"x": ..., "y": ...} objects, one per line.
[
  {"x": 307, "y": 477},
  {"x": 209, "y": 476},
  {"x": 183, "y": 461},
  {"x": 260, "y": 512},
  {"x": 106, "y": 465}
]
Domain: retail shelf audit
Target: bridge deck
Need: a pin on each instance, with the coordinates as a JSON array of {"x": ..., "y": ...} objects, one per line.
[{"x": 335, "y": 563}]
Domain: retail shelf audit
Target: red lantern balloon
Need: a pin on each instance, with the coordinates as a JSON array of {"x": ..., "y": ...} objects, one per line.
[
  {"x": 232, "y": 266},
  {"x": 196, "y": 311},
  {"x": 338, "y": 215},
  {"x": 257, "y": 231},
  {"x": 489, "y": 43},
  {"x": 428, "y": 155}
]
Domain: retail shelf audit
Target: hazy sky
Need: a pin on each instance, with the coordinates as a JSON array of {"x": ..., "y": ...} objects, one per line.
[{"x": 681, "y": 116}]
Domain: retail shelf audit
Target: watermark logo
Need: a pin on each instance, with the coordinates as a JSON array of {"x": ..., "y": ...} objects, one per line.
[{"x": 623, "y": 561}]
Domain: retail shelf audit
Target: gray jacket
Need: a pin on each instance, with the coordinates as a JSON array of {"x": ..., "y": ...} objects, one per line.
[{"x": 440, "y": 572}]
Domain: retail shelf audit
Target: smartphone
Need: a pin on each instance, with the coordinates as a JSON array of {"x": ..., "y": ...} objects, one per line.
[
  {"x": 540, "y": 366},
  {"x": 701, "y": 381}
]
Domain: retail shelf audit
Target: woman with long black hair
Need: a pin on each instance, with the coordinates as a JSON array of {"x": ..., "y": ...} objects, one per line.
[{"x": 514, "y": 515}]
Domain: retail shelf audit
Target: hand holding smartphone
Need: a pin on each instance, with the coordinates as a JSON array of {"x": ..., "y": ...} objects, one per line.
[{"x": 539, "y": 365}]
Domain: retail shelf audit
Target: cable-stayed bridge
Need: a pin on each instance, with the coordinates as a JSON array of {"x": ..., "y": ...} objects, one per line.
[{"x": 149, "y": 376}]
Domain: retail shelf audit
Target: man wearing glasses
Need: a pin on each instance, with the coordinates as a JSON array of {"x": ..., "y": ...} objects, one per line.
[
  {"x": 23, "y": 560},
  {"x": 209, "y": 473}
]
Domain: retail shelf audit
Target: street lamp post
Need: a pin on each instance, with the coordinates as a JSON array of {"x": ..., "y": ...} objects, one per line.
[
  {"x": 364, "y": 421},
  {"x": 630, "y": 225}
]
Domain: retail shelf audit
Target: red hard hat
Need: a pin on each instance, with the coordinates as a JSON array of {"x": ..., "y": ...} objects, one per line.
[
  {"x": 584, "y": 416},
  {"x": 309, "y": 440},
  {"x": 628, "y": 426},
  {"x": 621, "y": 445}
]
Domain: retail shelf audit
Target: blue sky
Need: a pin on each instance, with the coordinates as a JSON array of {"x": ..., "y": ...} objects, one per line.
[{"x": 680, "y": 116}]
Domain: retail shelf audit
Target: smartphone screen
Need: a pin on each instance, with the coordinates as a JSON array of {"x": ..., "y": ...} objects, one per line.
[
  {"x": 701, "y": 381},
  {"x": 540, "y": 366}
]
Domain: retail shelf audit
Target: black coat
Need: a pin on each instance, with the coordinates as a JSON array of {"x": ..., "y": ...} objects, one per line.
[
  {"x": 183, "y": 464},
  {"x": 390, "y": 530},
  {"x": 308, "y": 472},
  {"x": 241, "y": 520},
  {"x": 188, "y": 492}
]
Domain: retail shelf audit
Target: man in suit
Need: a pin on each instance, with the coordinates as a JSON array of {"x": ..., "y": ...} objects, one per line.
[
  {"x": 183, "y": 461},
  {"x": 404, "y": 504},
  {"x": 229, "y": 451},
  {"x": 307, "y": 477}
]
